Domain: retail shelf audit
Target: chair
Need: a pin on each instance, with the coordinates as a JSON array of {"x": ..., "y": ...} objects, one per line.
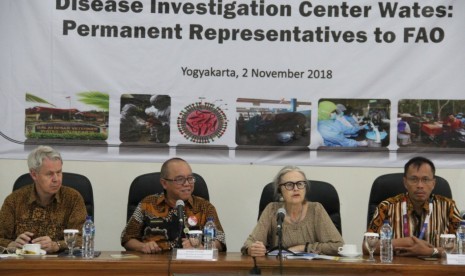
[
  {"x": 389, "y": 185},
  {"x": 319, "y": 191},
  {"x": 149, "y": 184},
  {"x": 76, "y": 181}
]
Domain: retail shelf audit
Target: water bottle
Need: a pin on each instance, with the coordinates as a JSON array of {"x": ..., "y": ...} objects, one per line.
[
  {"x": 88, "y": 234},
  {"x": 386, "y": 243},
  {"x": 461, "y": 238},
  {"x": 209, "y": 234}
]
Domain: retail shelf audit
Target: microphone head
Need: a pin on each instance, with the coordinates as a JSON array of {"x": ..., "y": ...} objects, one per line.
[
  {"x": 179, "y": 202},
  {"x": 281, "y": 211},
  {"x": 462, "y": 214}
]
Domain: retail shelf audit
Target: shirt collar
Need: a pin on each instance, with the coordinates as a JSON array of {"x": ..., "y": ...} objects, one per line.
[
  {"x": 34, "y": 196},
  {"x": 425, "y": 204},
  {"x": 162, "y": 203}
]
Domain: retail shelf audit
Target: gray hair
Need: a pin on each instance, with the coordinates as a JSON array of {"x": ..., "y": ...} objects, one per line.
[
  {"x": 37, "y": 156},
  {"x": 283, "y": 171}
]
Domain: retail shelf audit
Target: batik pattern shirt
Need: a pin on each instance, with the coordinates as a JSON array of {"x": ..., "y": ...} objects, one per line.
[
  {"x": 155, "y": 220},
  {"x": 444, "y": 219},
  {"x": 21, "y": 212}
]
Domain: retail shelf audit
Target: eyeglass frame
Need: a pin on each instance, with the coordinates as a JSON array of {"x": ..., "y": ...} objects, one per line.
[
  {"x": 294, "y": 184},
  {"x": 416, "y": 180},
  {"x": 5, "y": 249},
  {"x": 181, "y": 180}
]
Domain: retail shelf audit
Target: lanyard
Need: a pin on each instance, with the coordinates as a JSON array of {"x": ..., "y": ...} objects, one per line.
[
  {"x": 425, "y": 224},
  {"x": 405, "y": 218},
  {"x": 406, "y": 226}
]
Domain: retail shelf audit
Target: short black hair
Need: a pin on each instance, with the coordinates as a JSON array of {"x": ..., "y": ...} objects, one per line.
[{"x": 417, "y": 162}]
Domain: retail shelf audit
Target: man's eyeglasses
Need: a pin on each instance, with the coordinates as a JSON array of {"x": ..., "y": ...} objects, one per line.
[
  {"x": 290, "y": 185},
  {"x": 180, "y": 180},
  {"x": 416, "y": 180}
]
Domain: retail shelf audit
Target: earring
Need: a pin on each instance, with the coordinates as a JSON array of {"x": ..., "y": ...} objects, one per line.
[{"x": 281, "y": 199}]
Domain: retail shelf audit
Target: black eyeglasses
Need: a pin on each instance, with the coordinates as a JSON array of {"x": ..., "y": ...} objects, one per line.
[
  {"x": 290, "y": 185},
  {"x": 180, "y": 180}
]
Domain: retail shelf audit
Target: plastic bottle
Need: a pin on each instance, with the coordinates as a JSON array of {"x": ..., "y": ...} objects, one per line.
[
  {"x": 386, "y": 243},
  {"x": 209, "y": 234},
  {"x": 88, "y": 234},
  {"x": 461, "y": 238}
]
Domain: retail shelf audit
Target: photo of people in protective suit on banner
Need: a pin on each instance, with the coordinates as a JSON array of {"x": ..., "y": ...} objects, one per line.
[{"x": 354, "y": 123}]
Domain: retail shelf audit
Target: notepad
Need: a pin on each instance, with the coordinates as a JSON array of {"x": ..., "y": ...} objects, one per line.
[{"x": 311, "y": 256}]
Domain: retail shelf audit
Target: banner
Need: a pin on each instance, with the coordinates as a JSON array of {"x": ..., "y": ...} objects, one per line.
[{"x": 340, "y": 83}]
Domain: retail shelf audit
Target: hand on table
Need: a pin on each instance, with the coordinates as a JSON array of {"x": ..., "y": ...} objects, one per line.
[{"x": 257, "y": 249}]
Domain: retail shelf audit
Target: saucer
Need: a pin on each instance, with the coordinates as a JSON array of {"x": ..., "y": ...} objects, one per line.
[
  {"x": 351, "y": 254},
  {"x": 19, "y": 252}
]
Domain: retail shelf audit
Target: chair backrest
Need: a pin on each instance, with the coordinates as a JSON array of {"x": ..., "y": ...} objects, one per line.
[
  {"x": 76, "y": 181},
  {"x": 149, "y": 184},
  {"x": 319, "y": 191},
  {"x": 392, "y": 184}
]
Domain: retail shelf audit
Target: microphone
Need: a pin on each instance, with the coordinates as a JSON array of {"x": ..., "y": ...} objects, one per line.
[
  {"x": 180, "y": 207},
  {"x": 462, "y": 214},
  {"x": 280, "y": 217}
]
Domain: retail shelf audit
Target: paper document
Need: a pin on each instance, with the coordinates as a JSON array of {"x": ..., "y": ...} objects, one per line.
[{"x": 311, "y": 256}]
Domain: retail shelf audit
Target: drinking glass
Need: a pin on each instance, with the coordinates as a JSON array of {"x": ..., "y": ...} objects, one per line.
[
  {"x": 371, "y": 240},
  {"x": 70, "y": 240},
  {"x": 195, "y": 238},
  {"x": 448, "y": 242}
]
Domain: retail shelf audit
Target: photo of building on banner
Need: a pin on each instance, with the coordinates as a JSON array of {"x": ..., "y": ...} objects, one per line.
[{"x": 78, "y": 119}]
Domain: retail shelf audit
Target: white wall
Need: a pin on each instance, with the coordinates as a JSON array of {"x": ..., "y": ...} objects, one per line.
[{"x": 234, "y": 190}]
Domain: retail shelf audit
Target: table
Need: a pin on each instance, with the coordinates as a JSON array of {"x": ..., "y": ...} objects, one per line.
[{"x": 228, "y": 263}]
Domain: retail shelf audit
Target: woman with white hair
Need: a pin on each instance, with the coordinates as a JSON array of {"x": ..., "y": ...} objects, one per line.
[{"x": 306, "y": 227}]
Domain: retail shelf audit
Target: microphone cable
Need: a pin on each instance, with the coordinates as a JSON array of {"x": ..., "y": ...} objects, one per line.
[
  {"x": 170, "y": 257},
  {"x": 255, "y": 270}
]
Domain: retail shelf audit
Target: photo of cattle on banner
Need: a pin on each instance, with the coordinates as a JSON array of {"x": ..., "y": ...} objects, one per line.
[
  {"x": 272, "y": 122},
  {"x": 436, "y": 125},
  {"x": 54, "y": 122}
]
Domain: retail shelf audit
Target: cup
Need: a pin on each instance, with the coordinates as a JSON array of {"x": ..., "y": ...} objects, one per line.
[
  {"x": 195, "y": 238},
  {"x": 348, "y": 249},
  {"x": 31, "y": 248}
]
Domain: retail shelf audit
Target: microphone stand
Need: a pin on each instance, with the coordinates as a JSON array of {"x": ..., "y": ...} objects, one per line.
[
  {"x": 280, "y": 246},
  {"x": 181, "y": 229}
]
